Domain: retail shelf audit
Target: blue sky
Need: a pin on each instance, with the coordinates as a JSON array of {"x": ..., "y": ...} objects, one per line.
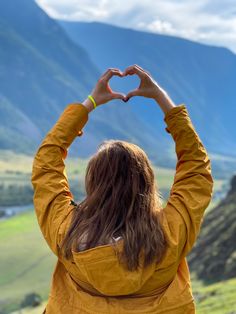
[{"x": 207, "y": 21}]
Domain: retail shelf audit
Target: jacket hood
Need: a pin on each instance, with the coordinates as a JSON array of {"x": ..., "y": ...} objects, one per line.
[{"x": 99, "y": 268}]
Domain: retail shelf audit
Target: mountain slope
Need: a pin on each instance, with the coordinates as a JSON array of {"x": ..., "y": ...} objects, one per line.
[
  {"x": 215, "y": 247},
  {"x": 41, "y": 71},
  {"x": 201, "y": 76},
  {"x": 15, "y": 128}
]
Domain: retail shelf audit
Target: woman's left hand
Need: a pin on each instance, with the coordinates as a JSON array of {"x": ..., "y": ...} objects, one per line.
[{"x": 102, "y": 92}]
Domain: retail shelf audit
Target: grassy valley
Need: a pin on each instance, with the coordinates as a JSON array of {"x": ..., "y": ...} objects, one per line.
[
  {"x": 26, "y": 261},
  {"x": 16, "y": 189}
]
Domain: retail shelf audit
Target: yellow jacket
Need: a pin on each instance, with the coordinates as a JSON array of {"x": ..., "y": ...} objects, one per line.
[{"x": 94, "y": 282}]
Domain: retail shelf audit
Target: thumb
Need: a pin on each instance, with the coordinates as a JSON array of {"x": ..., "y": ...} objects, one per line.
[
  {"x": 118, "y": 96},
  {"x": 134, "y": 92}
]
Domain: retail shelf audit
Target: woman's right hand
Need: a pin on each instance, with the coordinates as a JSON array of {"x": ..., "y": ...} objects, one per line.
[{"x": 148, "y": 86}]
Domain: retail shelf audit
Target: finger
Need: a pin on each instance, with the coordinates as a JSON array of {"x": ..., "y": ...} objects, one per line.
[
  {"x": 109, "y": 69},
  {"x": 133, "y": 93},
  {"x": 136, "y": 66},
  {"x": 140, "y": 68},
  {"x": 145, "y": 71},
  {"x": 104, "y": 75},
  {"x": 134, "y": 69},
  {"x": 111, "y": 73},
  {"x": 118, "y": 96}
]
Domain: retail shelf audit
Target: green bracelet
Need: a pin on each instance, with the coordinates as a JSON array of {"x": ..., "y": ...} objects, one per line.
[{"x": 93, "y": 101}]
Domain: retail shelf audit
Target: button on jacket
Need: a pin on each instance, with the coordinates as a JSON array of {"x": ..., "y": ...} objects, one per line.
[{"x": 93, "y": 281}]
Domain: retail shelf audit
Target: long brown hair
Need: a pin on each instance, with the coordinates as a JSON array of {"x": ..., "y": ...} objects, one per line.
[{"x": 122, "y": 199}]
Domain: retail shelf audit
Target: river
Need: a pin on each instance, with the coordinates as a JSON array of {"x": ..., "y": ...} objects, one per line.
[{"x": 10, "y": 211}]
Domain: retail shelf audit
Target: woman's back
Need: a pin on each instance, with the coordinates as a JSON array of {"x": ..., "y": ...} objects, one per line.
[{"x": 95, "y": 280}]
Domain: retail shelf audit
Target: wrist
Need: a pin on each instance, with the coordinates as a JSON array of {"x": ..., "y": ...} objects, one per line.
[
  {"x": 96, "y": 98},
  {"x": 88, "y": 104},
  {"x": 159, "y": 94}
]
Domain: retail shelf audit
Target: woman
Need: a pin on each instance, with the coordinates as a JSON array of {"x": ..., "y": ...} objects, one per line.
[{"x": 118, "y": 250}]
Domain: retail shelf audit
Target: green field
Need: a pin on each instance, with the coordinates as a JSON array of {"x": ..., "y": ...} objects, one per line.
[
  {"x": 16, "y": 188},
  {"x": 15, "y": 178},
  {"x": 26, "y": 261}
]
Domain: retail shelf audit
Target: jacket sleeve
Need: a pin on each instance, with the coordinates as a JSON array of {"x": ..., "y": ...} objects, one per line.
[
  {"x": 191, "y": 191},
  {"x": 52, "y": 196}
]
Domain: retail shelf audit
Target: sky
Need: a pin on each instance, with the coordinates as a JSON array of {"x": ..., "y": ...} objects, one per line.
[{"x": 206, "y": 21}]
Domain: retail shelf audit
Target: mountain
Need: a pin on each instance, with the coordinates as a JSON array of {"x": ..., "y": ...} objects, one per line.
[
  {"x": 41, "y": 71},
  {"x": 201, "y": 76},
  {"x": 15, "y": 128},
  {"x": 215, "y": 247},
  {"x": 43, "y": 68}
]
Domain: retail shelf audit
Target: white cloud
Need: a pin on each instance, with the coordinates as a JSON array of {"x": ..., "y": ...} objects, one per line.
[
  {"x": 207, "y": 21},
  {"x": 157, "y": 26}
]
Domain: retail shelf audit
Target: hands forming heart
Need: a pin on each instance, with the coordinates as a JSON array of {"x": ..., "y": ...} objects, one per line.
[{"x": 102, "y": 92}]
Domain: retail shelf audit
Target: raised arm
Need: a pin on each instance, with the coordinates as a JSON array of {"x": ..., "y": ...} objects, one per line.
[
  {"x": 191, "y": 191},
  {"x": 53, "y": 200},
  {"x": 52, "y": 196},
  {"x": 193, "y": 183}
]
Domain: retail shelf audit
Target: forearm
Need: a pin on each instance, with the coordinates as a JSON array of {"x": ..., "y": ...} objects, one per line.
[
  {"x": 192, "y": 156},
  {"x": 191, "y": 191},
  {"x": 68, "y": 126},
  {"x": 48, "y": 171},
  {"x": 193, "y": 180},
  {"x": 48, "y": 166},
  {"x": 164, "y": 101},
  {"x": 52, "y": 195}
]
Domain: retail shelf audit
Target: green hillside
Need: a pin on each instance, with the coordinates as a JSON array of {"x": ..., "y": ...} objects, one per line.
[
  {"x": 216, "y": 245},
  {"x": 218, "y": 298},
  {"x": 47, "y": 72}
]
